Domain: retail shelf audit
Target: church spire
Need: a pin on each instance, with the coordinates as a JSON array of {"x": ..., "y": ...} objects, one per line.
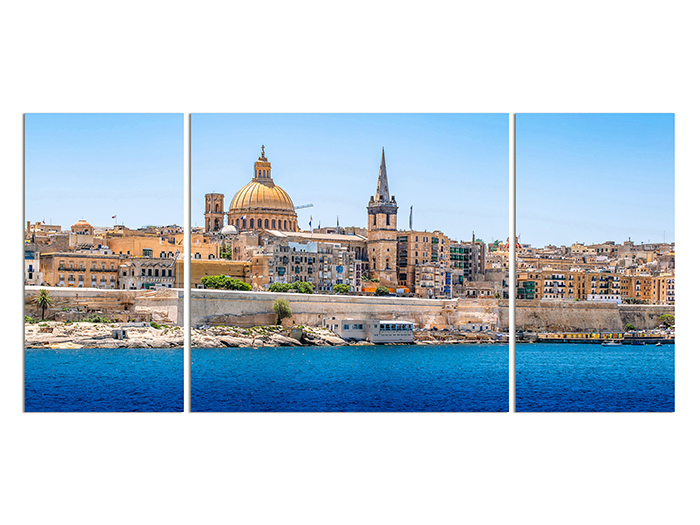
[{"x": 382, "y": 183}]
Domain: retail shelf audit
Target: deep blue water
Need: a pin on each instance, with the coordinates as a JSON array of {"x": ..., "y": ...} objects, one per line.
[
  {"x": 401, "y": 378},
  {"x": 570, "y": 377},
  {"x": 104, "y": 380}
]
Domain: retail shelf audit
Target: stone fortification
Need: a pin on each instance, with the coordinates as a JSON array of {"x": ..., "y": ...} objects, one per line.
[
  {"x": 585, "y": 316},
  {"x": 218, "y": 307},
  {"x": 163, "y": 306},
  {"x": 246, "y": 309}
]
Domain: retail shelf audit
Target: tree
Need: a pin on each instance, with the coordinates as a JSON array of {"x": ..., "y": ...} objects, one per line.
[
  {"x": 282, "y": 309},
  {"x": 629, "y": 327},
  {"x": 341, "y": 288},
  {"x": 668, "y": 320},
  {"x": 381, "y": 290},
  {"x": 43, "y": 300},
  {"x": 223, "y": 282},
  {"x": 299, "y": 286},
  {"x": 303, "y": 287},
  {"x": 225, "y": 252}
]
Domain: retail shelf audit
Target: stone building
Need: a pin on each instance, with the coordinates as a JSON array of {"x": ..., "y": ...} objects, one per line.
[
  {"x": 259, "y": 205},
  {"x": 138, "y": 273},
  {"x": 81, "y": 270}
]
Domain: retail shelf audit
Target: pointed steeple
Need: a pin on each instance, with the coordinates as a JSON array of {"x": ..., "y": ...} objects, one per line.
[{"x": 382, "y": 183}]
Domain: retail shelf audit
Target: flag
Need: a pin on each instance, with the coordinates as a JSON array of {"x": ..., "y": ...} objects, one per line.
[
  {"x": 242, "y": 217},
  {"x": 310, "y": 219},
  {"x": 410, "y": 220},
  {"x": 114, "y": 216}
]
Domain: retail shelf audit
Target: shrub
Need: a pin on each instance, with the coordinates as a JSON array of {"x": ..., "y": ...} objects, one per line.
[
  {"x": 629, "y": 327},
  {"x": 156, "y": 325},
  {"x": 282, "y": 309},
  {"x": 223, "y": 282},
  {"x": 341, "y": 288},
  {"x": 381, "y": 290},
  {"x": 94, "y": 318},
  {"x": 29, "y": 320}
]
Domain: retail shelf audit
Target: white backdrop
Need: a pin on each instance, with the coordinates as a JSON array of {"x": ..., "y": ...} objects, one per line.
[{"x": 349, "y": 468}]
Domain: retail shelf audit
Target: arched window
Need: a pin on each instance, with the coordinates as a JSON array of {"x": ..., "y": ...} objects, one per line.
[
  {"x": 197, "y": 255},
  {"x": 259, "y": 223},
  {"x": 243, "y": 223},
  {"x": 374, "y": 264},
  {"x": 267, "y": 223},
  {"x": 162, "y": 255},
  {"x": 387, "y": 220},
  {"x": 155, "y": 272},
  {"x": 216, "y": 207},
  {"x": 273, "y": 224},
  {"x": 387, "y": 264},
  {"x": 211, "y": 255},
  {"x": 238, "y": 223},
  {"x": 285, "y": 224}
]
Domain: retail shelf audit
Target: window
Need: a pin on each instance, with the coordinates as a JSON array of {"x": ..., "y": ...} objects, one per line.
[{"x": 259, "y": 223}]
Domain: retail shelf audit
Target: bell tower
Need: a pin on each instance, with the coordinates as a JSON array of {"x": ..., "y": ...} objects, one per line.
[
  {"x": 213, "y": 212},
  {"x": 381, "y": 231}
]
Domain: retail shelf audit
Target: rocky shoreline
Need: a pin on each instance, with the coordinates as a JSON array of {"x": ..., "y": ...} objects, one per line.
[{"x": 54, "y": 334}]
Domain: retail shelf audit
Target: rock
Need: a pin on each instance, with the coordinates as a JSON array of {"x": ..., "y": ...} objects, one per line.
[{"x": 281, "y": 340}]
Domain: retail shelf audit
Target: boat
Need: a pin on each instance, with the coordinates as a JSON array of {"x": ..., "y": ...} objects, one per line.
[
  {"x": 658, "y": 344},
  {"x": 612, "y": 343}
]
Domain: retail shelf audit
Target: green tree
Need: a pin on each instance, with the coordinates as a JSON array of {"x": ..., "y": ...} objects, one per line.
[
  {"x": 381, "y": 290},
  {"x": 225, "y": 252},
  {"x": 43, "y": 300},
  {"x": 282, "y": 309},
  {"x": 668, "y": 320},
  {"x": 629, "y": 327},
  {"x": 303, "y": 287},
  {"x": 279, "y": 287},
  {"x": 223, "y": 282},
  {"x": 341, "y": 288}
]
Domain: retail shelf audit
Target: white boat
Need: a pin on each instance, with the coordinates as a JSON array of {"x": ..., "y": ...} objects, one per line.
[{"x": 612, "y": 343}]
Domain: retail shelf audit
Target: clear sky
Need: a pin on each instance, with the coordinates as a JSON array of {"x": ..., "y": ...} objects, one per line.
[
  {"x": 94, "y": 166},
  {"x": 452, "y": 168},
  {"x": 594, "y": 178}
]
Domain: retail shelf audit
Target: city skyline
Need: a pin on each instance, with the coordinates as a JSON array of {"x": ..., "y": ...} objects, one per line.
[
  {"x": 452, "y": 168},
  {"x": 592, "y": 178},
  {"x": 95, "y": 166}
]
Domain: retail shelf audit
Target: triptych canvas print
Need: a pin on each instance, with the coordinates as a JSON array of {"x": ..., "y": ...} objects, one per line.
[{"x": 349, "y": 263}]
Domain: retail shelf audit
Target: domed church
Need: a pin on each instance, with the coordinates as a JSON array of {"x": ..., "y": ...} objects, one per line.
[{"x": 259, "y": 205}]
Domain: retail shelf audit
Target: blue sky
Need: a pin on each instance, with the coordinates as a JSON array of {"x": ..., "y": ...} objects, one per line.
[
  {"x": 452, "y": 168},
  {"x": 594, "y": 178},
  {"x": 94, "y": 166}
]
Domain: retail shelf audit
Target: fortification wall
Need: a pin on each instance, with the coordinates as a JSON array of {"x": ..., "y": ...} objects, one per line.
[
  {"x": 585, "y": 316},
  {"x": 642, "y": 316},
  {"x": 163, "y": 306},
  {"x": 218, "y": 307}
]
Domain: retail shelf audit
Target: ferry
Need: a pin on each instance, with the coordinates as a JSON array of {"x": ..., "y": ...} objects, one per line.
[{"x": 372, "y": 330}]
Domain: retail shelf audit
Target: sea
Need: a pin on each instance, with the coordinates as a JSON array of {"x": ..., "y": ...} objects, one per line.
[
  {"x": 104, "y": 380},
  {"x": 571, "y": 377},
  {"x": 550, "y": 377},
  {"x": 386, "y": 378}
]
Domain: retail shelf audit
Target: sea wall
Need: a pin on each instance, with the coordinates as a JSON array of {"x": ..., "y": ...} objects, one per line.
[
  {"x": 246, "y": 309},
  {"x": 218, "y": 307},
  {"x": 163, "y": 306},
  {"x": 564, "y": 316}
]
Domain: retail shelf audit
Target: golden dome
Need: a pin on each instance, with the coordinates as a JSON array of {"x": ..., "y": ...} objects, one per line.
[{"x": 261, "y": 196}]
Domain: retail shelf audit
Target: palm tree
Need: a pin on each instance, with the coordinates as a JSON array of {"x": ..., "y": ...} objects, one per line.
[{"x": 43, "y": 300}]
